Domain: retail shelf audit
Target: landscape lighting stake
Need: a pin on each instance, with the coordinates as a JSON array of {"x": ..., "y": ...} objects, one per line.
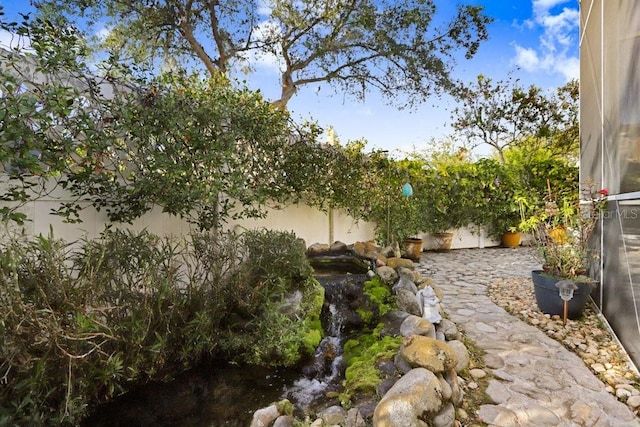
[{"x": 566, "y": 288}]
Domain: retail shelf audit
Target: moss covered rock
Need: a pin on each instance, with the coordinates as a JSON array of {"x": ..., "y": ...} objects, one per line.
[{"x": 432, "y": 354}]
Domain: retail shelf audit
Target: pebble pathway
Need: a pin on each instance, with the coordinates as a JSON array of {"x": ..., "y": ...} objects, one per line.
[{"x": 535, "y": 380}]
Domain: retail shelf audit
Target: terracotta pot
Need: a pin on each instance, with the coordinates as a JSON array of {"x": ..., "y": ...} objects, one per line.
[
  {"x": 511, "y": 239},
  {"x": 442, "y": 241},
  {"x": 412, "y": 248}
]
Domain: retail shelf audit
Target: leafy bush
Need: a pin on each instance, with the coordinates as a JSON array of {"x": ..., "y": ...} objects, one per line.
[{"x": 80, "y": 326}]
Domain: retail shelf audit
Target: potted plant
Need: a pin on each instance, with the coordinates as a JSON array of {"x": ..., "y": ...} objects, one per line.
[
  {"x": 393, "y": 207},
  {"x": 561, "y": 230},
  {"x": 443, "y": 203},
  {"x": 506, "y": 222}
]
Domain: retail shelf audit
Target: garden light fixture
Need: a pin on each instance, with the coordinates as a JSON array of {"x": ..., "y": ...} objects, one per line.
[{"x": 566, "y": 288}]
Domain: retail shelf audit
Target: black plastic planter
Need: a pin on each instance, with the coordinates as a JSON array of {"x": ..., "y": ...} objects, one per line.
[{"x": 548, "y": 296}]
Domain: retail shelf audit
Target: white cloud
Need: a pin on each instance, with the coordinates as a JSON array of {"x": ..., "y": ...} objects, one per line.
[
  {"x": 568, "y": 67},
  {"x": 557, "y": 44},
  {"x": 265, "y": 31},
  {"x": 103, "y": 33},
  {"x": 527, "y": 58},
  {"x": 543, "y": 6}
]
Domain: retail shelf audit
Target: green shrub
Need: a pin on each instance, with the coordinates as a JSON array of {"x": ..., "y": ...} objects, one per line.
[{"x": 80, "y": 326}]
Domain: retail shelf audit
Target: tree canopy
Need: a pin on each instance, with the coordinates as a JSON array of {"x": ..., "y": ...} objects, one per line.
[
  {"x": 198, "y": 148},
  {"x": 503, "y": 114},
  {"x": 398, "y": 48}
]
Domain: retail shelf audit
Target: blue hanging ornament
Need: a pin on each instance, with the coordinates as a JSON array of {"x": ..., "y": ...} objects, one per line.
[{"x": 407, "y": 190}]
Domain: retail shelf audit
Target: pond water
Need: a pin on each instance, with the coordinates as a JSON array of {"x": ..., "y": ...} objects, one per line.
[{"x": 220, "y": 394}]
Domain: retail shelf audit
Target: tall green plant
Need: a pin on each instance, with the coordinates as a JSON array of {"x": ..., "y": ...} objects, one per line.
[
  {"x": 78, "y": 327},
  {"x": 105, "y": 138}
]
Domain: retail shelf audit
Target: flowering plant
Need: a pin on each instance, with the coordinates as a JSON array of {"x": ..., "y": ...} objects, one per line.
[{"x": 562, "y": 228}]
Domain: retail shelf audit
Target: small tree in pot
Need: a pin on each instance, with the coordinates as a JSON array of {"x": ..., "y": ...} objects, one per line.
[{"x": 561, "y": 228}]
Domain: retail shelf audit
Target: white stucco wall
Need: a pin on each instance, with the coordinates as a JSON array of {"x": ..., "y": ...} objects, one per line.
[
  {"x": 306, "y": 222},
  {"x": 310, "y": 224}
]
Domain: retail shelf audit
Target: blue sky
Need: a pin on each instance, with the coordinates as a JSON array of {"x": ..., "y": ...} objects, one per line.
[{"x": 536, "y": 40}]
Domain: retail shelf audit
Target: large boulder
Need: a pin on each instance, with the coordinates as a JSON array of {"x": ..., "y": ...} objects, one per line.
[
  {"x": 416, "y": 325},
  {"x": 432, "y": 354},
  {"x": 388, "y": 275},
  {"x": 317, "y": 249},
  {"x": 366, "y": 249},
  {"x": 416, "y": 393},
  {"x": 407, "y": 301}
]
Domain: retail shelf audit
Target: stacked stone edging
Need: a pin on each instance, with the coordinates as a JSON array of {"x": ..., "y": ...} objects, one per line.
[{"x": 429, "y": 361}]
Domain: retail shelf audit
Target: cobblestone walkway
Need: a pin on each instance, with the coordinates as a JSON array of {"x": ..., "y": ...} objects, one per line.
[{"x": 536, "y": 381}]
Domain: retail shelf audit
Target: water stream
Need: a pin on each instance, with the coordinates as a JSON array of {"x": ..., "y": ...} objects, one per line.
[
  {"x": 219, "y": 394},
  {"x": 326, "y": 370}
]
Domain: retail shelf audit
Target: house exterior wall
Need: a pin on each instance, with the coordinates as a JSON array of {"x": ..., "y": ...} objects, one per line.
[{"x": 610, "y": 155}]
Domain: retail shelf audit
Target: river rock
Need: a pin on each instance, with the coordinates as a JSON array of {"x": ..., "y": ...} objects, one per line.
[
  {"x": 355, "y": 418},
  {"x": 407, "y": 273},
  {"x": 388, "y": 275},
  {"x": 405, "y": 283},
  {"x": 317, "y": 249},
  {"x": 338, "y": 246},
  {"x": 457, "y": 394},
  {"x": 284, "y": 421},
  {"x": 334, "y": 415},
  {"x": 265, "y": 416},
  {"x": 634, "y": 401},
  {"x": 417, "y": 392},
  {"x": 401, "y": 364},
  {"x": 446, "y": 417},
  {"x": 476, "y": 373},
  {"x": 392, "y": 322},
  {"x": 406, "y": 301},
  {"x": 366, "y": 249},
  {"x": 415, "y": 325},
  {"x": 432, "y": 354},
  {"x": 461, "y": 353},
  {"x": 395, "y": 262},
  {"x": 446, "y": 388},
  {"x": 449, "y": 329}
]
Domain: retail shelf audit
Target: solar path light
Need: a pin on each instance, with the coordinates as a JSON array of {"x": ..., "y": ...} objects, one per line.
[{"x": 566, "y": 288}]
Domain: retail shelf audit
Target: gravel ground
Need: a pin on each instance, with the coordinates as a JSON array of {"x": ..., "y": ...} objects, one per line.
[{"x": 587, "y": 337}]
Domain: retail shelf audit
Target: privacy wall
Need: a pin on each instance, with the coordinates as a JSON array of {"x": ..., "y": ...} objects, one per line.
[{"x": 610, "y": 154}]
